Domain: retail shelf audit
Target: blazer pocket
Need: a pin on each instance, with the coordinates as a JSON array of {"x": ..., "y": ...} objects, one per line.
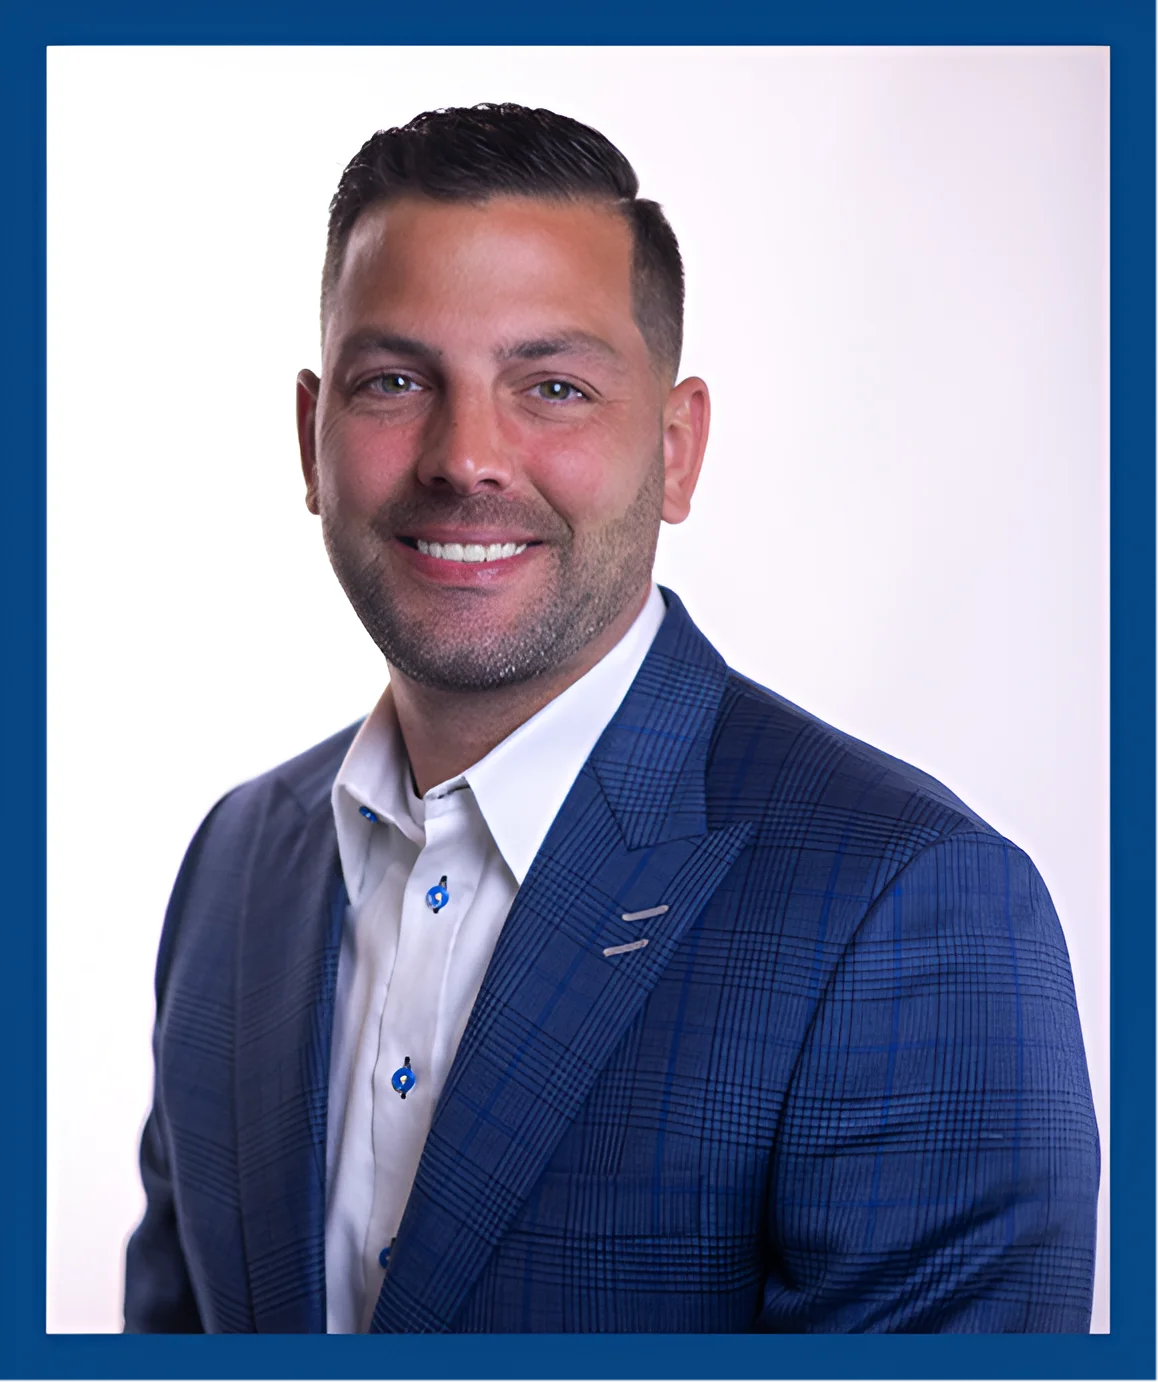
[{"x": 632, "y": 1206}]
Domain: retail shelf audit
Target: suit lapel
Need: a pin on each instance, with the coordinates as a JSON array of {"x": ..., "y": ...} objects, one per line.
[
  {"x": 631, "y": 836},
  {"x": 289, "y": 944}
]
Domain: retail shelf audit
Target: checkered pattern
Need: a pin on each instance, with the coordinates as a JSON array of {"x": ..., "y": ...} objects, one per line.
[{"x": 841, "y": 1089}]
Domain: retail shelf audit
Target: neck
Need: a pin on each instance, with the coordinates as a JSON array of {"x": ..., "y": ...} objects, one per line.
[{"x": 446, "y": 732}]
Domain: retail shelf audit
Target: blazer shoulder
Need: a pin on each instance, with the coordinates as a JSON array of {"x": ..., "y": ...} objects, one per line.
[
  {"x": 300, "y": 787},
  {"x": 772, "y": 761},
  {"x": 284, "y": 800},
  {"x": 306, "y": 778}
]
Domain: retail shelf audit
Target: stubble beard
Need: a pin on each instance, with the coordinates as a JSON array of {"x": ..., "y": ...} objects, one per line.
[{"x": 589, "y": 584}]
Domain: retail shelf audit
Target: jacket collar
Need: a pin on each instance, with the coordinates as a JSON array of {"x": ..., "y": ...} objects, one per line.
[{"x": 652, "y": 759}]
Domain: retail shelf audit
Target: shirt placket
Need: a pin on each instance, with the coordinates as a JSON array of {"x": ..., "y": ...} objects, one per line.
[{"x": 435, "y": 901}]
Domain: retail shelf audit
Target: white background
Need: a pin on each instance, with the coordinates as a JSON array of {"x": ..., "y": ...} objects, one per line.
[{"x": 897, "y": 268}]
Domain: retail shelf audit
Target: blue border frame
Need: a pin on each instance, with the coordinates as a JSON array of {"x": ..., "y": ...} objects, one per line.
[{"x": 1128, "y": 28}]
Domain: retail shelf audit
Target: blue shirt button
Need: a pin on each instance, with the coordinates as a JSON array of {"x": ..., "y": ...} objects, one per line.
[
  {"x": 384, "y": 1257},
  {"x": 438, "y": 896},
  {"x": 370, "y": 815},
  {"x": 403, "y": 1079}
]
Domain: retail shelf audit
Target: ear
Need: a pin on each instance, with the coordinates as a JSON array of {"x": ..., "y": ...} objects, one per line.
[
  {"x": 686, "y": 416},
  {"x": 308, "y": 386}
]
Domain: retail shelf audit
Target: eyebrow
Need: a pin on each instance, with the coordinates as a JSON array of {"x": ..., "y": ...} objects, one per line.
[
  {"x": 543, "y": 348},
  {"x": 567, "y": 343},
  {"x": 390, "y": 343}
]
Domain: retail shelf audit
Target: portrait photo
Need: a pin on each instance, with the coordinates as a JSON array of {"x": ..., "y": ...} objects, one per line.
[{"x": 896, "y": 268}]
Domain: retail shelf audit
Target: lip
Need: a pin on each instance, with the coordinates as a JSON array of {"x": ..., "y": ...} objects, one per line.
[
  {"x": 466, "y": 575},
  {"x": 465, "y": 535}
]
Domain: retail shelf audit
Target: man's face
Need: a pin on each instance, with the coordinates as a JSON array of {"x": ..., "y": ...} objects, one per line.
[{"x": 490, "y": 446}]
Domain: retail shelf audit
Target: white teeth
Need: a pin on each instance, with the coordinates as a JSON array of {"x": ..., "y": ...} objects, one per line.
[{"x": 471, "y": 551}]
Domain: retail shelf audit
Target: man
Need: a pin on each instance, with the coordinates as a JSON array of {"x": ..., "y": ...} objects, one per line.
[{"x": 585, "y": 985}]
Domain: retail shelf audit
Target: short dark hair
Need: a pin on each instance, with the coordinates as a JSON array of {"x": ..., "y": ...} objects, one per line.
[{"x": 472, "y": 153}]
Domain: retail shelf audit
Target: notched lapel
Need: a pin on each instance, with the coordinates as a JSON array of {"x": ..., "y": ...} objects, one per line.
[
  {"x": 630, "y": 837},
  {"x": 289, "y": 942}
]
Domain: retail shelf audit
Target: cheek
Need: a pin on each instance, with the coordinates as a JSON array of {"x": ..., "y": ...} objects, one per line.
[
  {"x": 360, "y": 463},
  {"x": 596, "y": 477}
]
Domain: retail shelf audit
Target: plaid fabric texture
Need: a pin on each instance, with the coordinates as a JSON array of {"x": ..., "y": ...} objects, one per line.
[{"x": 841, "y": 1089}]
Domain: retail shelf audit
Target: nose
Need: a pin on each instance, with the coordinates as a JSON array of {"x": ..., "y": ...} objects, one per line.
[{"x": 464, "y": 448}]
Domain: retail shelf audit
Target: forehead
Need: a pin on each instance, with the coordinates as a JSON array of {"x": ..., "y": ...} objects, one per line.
[{"x": 501, "y": 256}]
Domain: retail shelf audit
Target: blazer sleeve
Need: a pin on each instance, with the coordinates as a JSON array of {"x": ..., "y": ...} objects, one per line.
[
  {"x": 937, "y": 1165},
  {"x": 158, "y": 1293},
  {"x": 159, "y": 1296}
]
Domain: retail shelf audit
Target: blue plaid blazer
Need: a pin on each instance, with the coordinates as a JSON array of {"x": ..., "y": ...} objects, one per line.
[{"x": 841, "y": 1089}]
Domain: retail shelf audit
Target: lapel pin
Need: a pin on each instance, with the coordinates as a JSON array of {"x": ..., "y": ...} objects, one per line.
[
  {"x": 639, "y": 916},
  {"x": 623, "y": 949}
]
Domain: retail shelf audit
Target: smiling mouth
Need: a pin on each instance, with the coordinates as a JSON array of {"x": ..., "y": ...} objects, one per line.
[{"x": 468, "y": 551}]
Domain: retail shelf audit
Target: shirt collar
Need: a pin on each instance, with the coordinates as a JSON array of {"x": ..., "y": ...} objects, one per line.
[{"x": 519, "y": 786}]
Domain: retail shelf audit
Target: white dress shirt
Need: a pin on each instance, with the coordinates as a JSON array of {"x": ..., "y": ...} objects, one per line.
[{"x": 408, "y": 976}]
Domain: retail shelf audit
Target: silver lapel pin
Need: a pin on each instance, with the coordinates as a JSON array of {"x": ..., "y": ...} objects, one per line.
[
  {"x": 636, "y": 916},
  {"x": 643, "y": 916},
  {"x": 623, "y": 949}
]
